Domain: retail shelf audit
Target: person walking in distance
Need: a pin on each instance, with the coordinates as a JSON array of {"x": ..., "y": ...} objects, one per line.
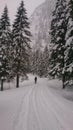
[{"x": 35, "y": 80}]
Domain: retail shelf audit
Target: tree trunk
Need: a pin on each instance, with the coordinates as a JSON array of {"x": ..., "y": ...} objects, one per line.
[
  {"x": 17, "y": 81},
  {"x": 1, "y": 84},
  {"x": 63, "y": 80}
]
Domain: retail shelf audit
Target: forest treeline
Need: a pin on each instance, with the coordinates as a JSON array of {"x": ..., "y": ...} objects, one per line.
[
  {"x": 17, "y": 58},
  {"x": 14, "y": 45}
]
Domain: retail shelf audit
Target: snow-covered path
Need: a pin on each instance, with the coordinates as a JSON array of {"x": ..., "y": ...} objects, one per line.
[{"x": 35, "y": 107}]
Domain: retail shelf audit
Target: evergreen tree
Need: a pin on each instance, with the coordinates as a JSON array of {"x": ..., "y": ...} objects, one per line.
[
  {"x": 36, "y": 60},
  {"x": 69, "y": 42},
  {"x": 5, "y": 40},
  {"x": 46, "y": 60},
  {"x": 40, "y": 62},
  {"x": 58, "y": 33},
  {"x": 36, "y": 56},
  {"x": 21, "y": 40},
  {"x": 33, "y": 62},
  {"x": 41, "y": 65}
]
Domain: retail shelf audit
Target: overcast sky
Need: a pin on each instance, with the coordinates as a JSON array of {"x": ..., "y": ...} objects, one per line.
[{"x": 30, "y": 5}]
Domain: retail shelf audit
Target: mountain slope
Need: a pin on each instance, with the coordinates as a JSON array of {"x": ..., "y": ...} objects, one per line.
[{"x": 40, "y": 23}]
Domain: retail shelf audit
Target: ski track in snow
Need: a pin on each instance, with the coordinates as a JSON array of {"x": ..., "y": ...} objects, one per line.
[
  {"x": 21, "y": 111},
  {"x": 41, "y": 109}
]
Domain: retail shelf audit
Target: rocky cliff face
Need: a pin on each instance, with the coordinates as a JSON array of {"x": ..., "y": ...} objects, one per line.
[{"x": 40, "y": 24}]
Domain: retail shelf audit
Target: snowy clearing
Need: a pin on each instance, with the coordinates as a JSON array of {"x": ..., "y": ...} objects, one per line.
[{"x": 35, "y": 107}]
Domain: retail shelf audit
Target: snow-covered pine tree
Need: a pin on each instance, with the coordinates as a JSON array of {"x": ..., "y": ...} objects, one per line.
[
  {"x": 36, "y": 61},
  {"x": 36, "y": 56},
  {"x": 58, "y": 33},
  {"x": 69, "y": 43},
  {"x": 21, "y": 40},
  {"x": 33, "y": 62},
  {"x": 40, "y": 62},
  {"x": 5, "y": 40},
  {"x": 46, "y": 60}
]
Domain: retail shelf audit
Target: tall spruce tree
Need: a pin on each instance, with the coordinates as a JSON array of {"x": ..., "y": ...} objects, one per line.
[
  {"x": 46, "y": 60},
  {"x": 69, "y": 42},
  {"x": 5, "y": 40},
  {"x": 41, "y": 65},
  {"x": 58, "y": 33},
  {"x": 36, "y": 57},
  {"x": 36, "y": 61},
  {"x": 21, "y": 40},
  {"x": 40, "y": 62}
]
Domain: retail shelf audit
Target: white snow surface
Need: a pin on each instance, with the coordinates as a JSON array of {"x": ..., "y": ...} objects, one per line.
[{"x": 35, "y": 107}]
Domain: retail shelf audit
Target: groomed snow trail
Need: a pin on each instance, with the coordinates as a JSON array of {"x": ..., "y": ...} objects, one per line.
[{"x": 35, "y": 107}]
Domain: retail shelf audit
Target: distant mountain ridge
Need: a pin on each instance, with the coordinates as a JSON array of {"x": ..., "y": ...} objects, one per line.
[{"x": 40, "y": 23}]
